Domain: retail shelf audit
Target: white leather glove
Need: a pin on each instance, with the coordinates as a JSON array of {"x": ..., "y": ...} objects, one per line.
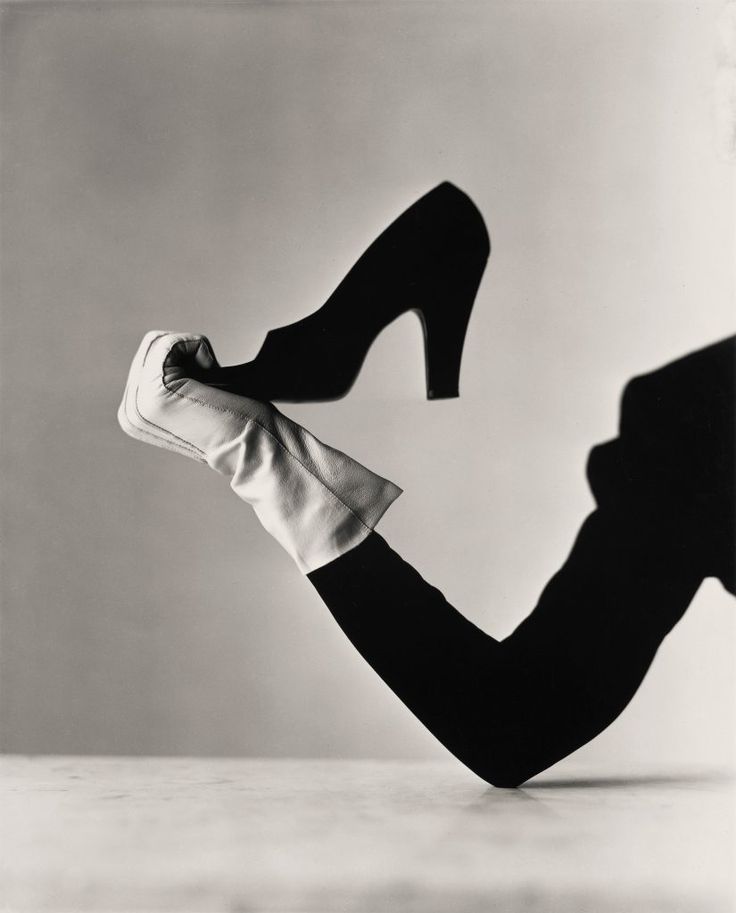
[{"x": 316, "y": 501}]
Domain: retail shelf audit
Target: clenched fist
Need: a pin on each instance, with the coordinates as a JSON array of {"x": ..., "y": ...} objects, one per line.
[{"x": 316, "y": 501}]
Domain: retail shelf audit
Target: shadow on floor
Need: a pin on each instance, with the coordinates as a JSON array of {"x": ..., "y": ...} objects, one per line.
[{"x": 608, "y": 782}]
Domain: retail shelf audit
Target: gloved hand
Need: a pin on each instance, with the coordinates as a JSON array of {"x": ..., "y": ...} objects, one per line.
[{"x": 316, "y": 501}]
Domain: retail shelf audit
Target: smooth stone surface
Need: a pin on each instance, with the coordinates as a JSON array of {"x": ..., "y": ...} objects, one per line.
[{"x": 237, "y": 835}]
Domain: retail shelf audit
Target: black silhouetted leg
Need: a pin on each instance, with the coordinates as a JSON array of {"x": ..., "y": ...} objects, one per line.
[{"x": 510, "y": 709}]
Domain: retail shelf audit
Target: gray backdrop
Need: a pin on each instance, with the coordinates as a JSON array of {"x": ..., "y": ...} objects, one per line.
[{"x": 218, "y": 168}]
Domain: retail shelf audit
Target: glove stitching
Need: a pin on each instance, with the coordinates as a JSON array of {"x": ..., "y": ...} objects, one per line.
[
  {"x": 137, "y": 429},
  {"x": 253, "y": 421},
  {"x": 185, "y": 443}
]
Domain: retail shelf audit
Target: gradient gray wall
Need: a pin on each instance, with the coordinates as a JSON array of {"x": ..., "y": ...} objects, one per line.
[{"x": 218, "y": 168}]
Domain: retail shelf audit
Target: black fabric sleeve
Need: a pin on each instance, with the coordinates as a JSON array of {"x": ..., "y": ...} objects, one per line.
[{"x": 664, "y": 521}]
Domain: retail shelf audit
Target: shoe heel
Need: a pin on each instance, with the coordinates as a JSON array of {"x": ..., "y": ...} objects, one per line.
[{"x": 444, "y": 337}]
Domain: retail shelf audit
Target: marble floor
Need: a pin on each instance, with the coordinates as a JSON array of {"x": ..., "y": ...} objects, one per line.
[{"x": 242, "y": 835}]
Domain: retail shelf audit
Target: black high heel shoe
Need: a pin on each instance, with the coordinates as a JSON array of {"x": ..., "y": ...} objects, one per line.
[{"x": 430, "y": 260}]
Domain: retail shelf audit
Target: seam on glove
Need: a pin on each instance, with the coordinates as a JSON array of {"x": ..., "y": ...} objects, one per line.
[
  {"x": 253, "y": 421},
  {"x": 167, "y": 434},
  {"x": 186, "y": 444},
  {"x": 137, "y": 430}
]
